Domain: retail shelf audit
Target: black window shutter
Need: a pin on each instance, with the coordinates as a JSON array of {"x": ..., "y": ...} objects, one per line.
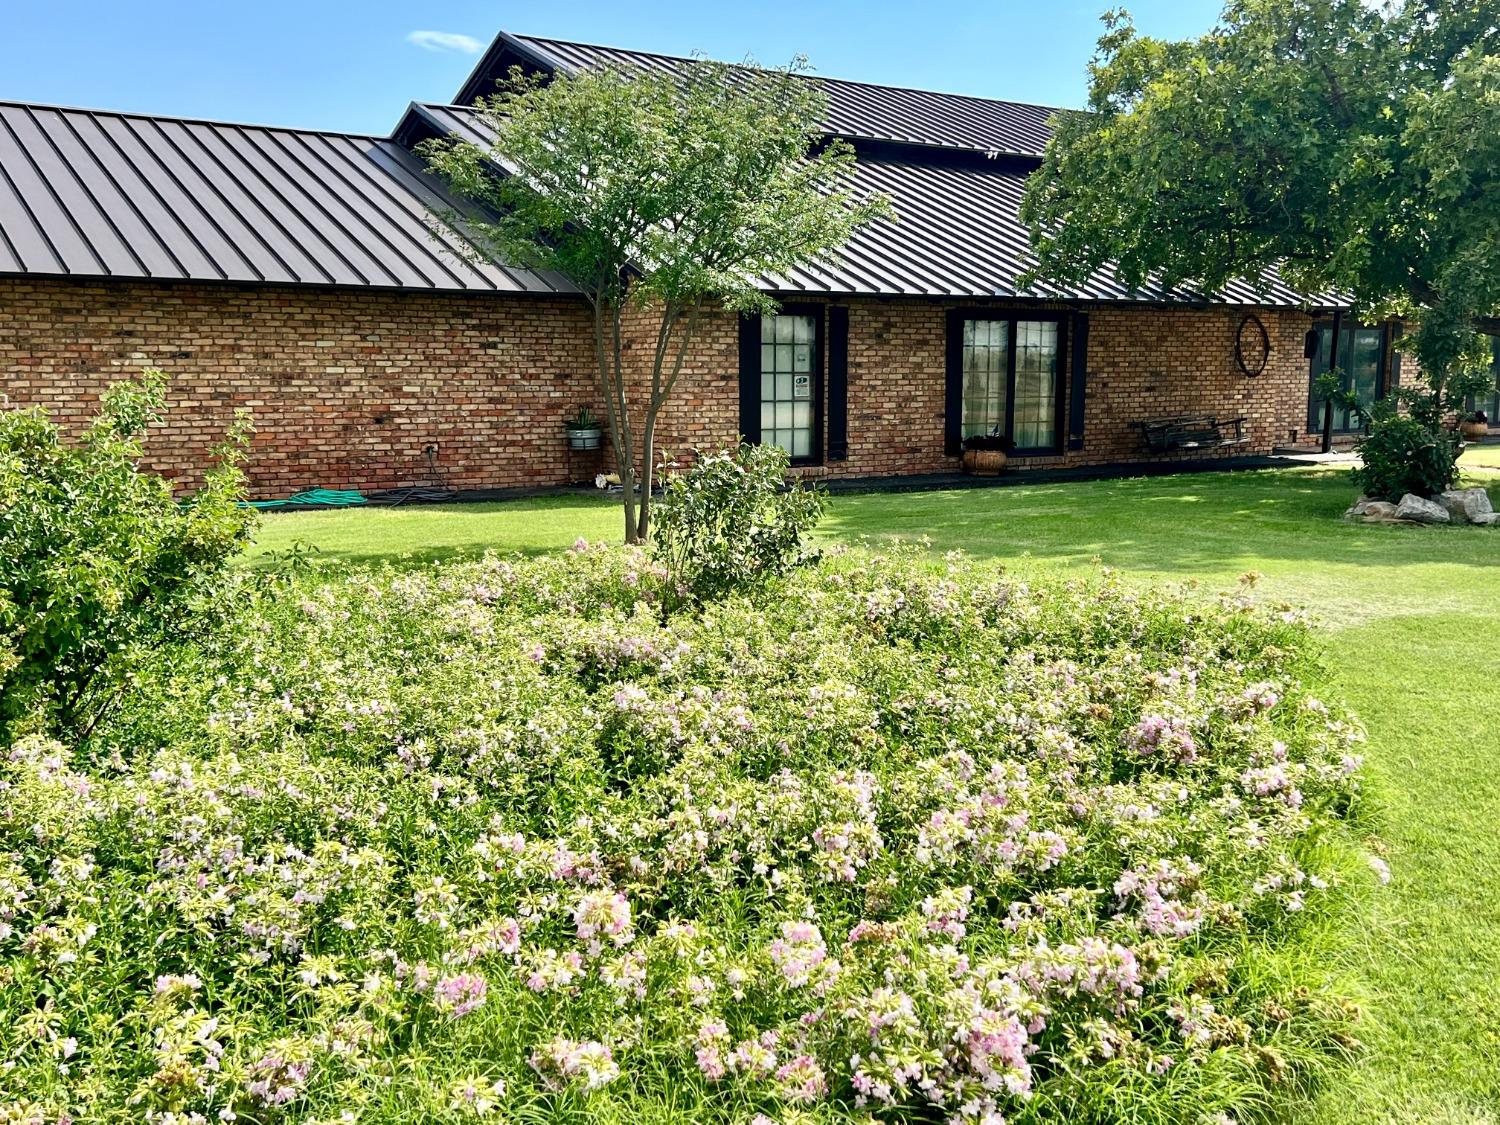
[
  {"x": 953, "y": 405},
  {"x": 1078, "y": 392},
  {"x": 838, "y": 383},
  {"x": 750, "y": 377}
]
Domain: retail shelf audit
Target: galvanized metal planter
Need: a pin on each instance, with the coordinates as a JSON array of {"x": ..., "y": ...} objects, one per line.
[{"x": 591, "y": 438}]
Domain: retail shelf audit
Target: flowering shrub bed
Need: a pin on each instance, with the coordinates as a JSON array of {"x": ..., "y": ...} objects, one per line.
[{"x": 896, "y": 840}]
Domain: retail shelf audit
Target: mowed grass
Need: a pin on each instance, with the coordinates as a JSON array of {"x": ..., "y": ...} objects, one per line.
[{"x": 1411, "y": 618}]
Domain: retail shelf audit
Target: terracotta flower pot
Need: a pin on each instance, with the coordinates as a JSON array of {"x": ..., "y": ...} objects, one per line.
[
  {"x": 1474, "y": 431},
  {"x": 984, "y": 462}
]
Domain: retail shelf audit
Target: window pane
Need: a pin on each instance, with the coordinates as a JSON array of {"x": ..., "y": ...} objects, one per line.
[
  {"x": 1036, "y": 384},
  {"x": 985, "y": 360},
  {"x": 1320, "y": 365},
  {"x": 1493, "y": 408},
  {"x": 1360, "y": 362},
  {"x": 786, "y": 401},
  {"x": 1364, "y": 364}
]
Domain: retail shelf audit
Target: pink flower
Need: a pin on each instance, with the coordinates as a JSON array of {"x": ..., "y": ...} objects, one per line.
[
  {"x": 802, "y": 1080},
  {"x": 798, "y": 952},
  {"x": 603, "y": 914},
  {"x": 1167, "y": 736},
  {"x": 563, "y": 1062},
  {"x": 460, "y": 994}
]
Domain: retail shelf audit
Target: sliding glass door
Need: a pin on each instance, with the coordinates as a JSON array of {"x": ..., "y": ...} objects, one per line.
[{"x": 1360, "y": 360}]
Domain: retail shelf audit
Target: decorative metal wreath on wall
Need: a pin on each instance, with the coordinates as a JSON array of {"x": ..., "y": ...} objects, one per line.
[{"x": 1252, "y": 345}]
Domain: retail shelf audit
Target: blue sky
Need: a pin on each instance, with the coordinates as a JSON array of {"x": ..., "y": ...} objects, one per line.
[{"x": 352, "y": 66}]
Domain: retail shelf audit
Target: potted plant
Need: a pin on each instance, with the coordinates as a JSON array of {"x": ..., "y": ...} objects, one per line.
[
  {"x": 985, "y": 454},
  {"x": 1474, "y": 426},
  {"x": 583, "y": 430}
]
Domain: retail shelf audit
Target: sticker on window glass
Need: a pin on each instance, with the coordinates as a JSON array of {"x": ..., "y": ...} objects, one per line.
[
  {"x": 803, "y": 358},
  {"x": 802, "y": 386}
]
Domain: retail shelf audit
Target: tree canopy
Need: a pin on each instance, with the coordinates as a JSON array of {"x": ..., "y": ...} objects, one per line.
[
  {"x": 675, "y": 190},
  {"x": 1354, "y": 148}
]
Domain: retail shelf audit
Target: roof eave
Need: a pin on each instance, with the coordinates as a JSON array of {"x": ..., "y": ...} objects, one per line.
[{"x": 483, "y": 73}]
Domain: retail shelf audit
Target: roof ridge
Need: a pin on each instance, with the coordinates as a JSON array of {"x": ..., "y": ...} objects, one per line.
[
  {"x": 541, "y": 39},
  {"x": 20, "y": 103}
]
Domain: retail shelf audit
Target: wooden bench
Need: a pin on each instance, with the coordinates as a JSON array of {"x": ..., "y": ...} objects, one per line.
[{"x": 1169, "y": 435}]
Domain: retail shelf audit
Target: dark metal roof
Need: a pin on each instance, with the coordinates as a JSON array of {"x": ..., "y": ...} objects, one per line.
[
  {"x": 91, "y": 194},
  {"x": 957, "y": 234},
  {"x": 857, "y": 110}
]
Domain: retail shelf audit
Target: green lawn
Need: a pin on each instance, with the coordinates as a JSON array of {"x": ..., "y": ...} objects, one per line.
[{"x": 1412, "y": 620}]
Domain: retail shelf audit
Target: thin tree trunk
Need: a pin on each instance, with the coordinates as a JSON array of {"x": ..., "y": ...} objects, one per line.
[
  {"x": 661, "y": 393},
  {"x": 653, "y": 409},
  {"x": 618, "y": 434},
  {"x": 622, "y": 405}
]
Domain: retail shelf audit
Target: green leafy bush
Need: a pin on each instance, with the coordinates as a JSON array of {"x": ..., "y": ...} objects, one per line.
[
  {"x": 1406, "y": 452},
  {"x": 894, "y": 840},
  {"x": 97, "y": 561},
  {"x": 731, "y": 523}
]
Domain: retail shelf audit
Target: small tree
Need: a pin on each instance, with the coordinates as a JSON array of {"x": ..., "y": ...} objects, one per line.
[
  {"x": 673, "y": 191},
  {"x": 1354, "y": 147}
]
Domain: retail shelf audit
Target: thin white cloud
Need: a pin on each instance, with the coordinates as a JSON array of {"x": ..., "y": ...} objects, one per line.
[{"x": 445, "y": 41}]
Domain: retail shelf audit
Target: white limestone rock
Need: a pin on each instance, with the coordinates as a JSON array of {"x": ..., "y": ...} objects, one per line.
[
  {"x": 1466, "y": 505},
  {"x": 1417, "y": 510}
]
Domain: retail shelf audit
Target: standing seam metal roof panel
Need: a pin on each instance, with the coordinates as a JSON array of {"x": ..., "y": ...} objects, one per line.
[
  {"x": 91, "y": 194},
  {"x": 957, "y": 234},
  {"x": 861, "y": 109}
]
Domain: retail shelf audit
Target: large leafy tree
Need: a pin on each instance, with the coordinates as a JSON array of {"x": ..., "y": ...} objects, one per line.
[
  {"x": 663, "y": 193},
  {"x": 1353, "y": 147}
]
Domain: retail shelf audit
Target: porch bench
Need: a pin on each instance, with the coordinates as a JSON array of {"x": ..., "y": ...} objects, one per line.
[{"x": 1168, "y": 435}]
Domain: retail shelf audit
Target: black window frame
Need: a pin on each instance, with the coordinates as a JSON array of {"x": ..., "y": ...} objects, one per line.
[
  {"x": 1491, "y": 403},
  {"x": 1318, "y": 364},
  {"x": 818, "y": 312},
  {"x": 955, "y": 348}
]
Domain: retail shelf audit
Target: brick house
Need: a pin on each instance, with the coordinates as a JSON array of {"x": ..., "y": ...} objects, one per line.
[{"x": 303, "y": 275}]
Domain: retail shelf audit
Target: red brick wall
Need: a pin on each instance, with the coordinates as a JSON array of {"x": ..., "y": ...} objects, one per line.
[
  {"x": 1142, "y": 363},
  {"x": 348, "y": 388}
]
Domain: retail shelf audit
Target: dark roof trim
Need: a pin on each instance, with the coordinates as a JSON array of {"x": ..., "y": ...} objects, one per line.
[
  {"x": 482, "y": 78},
  {"x": 139, "y": 115},
  {"x": 243, "y": 285}
]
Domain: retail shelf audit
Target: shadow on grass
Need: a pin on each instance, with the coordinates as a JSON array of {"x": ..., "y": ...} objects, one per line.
[{"x": 1203, "y": 525}]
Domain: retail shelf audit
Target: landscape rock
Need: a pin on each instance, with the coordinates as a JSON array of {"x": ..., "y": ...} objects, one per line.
[
  {"x": 1417, "y": 510},
  {"x": 1488, "y": 519},
  {"x": 1360, "y": 507},
  {"x": 1378, "y": 511},
  {"x": 1466, "y": 505}
]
